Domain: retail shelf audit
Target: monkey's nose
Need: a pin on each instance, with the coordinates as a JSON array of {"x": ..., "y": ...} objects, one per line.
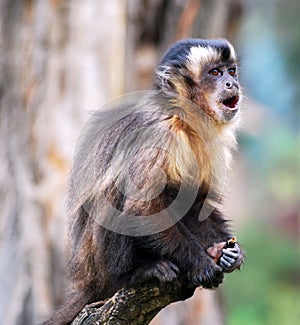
[{"x": 229, "y": 84}]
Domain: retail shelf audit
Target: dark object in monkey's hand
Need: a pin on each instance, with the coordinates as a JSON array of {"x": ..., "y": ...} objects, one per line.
[{"x": 226, "y": 254}]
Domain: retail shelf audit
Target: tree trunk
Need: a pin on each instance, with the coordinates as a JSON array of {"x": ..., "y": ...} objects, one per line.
[{"x": 56, "y": 66}]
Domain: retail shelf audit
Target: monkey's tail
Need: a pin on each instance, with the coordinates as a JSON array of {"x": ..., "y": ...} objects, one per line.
[{"x": 71, "y": 308}]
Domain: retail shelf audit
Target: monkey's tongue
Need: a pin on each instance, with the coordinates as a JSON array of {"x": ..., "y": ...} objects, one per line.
[{"x": 231, "y": 102}]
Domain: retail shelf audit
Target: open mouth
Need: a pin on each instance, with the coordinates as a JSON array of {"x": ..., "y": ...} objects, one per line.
[{"x": 231, "y": 102}]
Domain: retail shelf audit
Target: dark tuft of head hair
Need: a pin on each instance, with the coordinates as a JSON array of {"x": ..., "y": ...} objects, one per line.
[{"x": 177, "y": 54}]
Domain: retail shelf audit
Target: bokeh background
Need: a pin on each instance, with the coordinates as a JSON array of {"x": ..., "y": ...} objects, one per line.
[{"x": 61, "y": 59}]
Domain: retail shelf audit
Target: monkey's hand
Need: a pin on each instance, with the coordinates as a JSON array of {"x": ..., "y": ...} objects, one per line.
[
  {"x": 231, "y": 258},
  {"x": 207, "y": 274},
  {"x": 228, "y": 255}
]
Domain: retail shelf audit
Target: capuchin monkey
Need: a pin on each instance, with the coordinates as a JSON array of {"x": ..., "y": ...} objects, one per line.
[{"x": 147, "y": 177}]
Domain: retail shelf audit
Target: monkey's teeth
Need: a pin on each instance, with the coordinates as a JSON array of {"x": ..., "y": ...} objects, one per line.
[{"x": 231, "y": 102}]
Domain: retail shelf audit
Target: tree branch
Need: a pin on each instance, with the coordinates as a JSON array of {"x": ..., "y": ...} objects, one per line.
[{"x": 135, "y": 306}]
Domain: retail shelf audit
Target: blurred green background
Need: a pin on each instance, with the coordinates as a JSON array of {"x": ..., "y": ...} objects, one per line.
[{"x": 267, "y": 290}]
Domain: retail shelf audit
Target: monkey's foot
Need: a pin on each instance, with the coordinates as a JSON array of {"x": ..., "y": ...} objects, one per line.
[
  {"x": 231, "y": 258},
  {"x": 164, "y": 270}
]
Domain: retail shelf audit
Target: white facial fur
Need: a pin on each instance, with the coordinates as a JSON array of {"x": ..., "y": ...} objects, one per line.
[{"x": 198, "y": 56}]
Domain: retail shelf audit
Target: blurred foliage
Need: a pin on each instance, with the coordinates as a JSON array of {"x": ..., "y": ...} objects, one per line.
[
  {"x": 267, "y": 290},
  {"x": 283, "y": 171},
  {"x": 287, "y": 18},
  {"x": 275, "y": 158},
  {"x": 270, "y": 58}
]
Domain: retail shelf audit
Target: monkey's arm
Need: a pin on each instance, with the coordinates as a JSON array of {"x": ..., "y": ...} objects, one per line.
[{"x": 217, "y": 240}]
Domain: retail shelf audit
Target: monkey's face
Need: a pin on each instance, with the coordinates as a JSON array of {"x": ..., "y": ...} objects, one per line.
[
  {"x": 219, "y": 91},
  {"x": 205, "y": 72}
]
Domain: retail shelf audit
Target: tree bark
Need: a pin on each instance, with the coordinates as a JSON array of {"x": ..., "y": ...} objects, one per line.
[
  {"x": 58, "y": 62},
  {"x": 134, "y": 306}
]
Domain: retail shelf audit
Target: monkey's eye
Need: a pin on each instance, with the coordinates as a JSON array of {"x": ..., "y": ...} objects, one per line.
[
  {"x": 215, "y": 72},
  {"x": 232, "y": 71}
]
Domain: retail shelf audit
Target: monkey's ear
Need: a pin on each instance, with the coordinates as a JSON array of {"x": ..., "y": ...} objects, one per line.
[{"x": 163, "y": 79}]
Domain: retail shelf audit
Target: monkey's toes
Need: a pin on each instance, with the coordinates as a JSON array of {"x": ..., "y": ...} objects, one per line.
[{"x": 164, "y": 270}]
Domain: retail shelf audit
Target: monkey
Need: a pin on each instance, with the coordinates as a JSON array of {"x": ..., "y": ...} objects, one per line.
[{"x": 147, "y": 180}]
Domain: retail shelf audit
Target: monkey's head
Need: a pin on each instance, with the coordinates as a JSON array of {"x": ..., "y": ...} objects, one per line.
[{"x": 205, "y": 72}]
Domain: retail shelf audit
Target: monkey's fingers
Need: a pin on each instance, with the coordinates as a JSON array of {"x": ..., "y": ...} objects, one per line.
[
  {"x": 231, "y": 258},
  {"x": 226, "y": 262},
  {"x": 231, "y": 252},
  {"x": 164, "y": 270}
]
